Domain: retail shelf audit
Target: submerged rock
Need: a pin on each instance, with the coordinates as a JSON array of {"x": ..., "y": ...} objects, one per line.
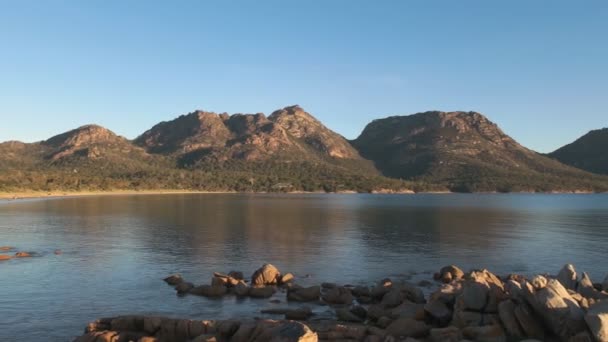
[
  {"x": 304, "y": 294},
  {"x": 23, "y": 254},
  {"x": 174, "y": 279},
  {"x": 5, "y": 257}
]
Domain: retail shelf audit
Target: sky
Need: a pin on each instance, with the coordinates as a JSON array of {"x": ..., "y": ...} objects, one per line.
[{"x": 539, "y": 69}]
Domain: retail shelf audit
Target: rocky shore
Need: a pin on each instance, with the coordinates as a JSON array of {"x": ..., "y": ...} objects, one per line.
[{"x": 472, "y": 306}]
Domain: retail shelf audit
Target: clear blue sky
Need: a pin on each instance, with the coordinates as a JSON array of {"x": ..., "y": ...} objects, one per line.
[{"x": 539, "y": 69}]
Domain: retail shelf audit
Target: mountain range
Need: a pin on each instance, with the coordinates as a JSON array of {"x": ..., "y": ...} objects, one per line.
[{"x": 290, "y": 150}]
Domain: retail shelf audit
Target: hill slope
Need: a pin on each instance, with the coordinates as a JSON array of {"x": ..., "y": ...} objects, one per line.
[
  {"x": 465, "y": 152},
  {"x": 588, "y": 152}
]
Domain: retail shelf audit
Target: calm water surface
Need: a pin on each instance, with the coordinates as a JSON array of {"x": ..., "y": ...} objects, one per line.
[{"x": 117, "y": 248}]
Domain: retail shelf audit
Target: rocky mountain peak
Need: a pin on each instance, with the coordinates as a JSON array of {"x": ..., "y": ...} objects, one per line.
[{"x": 87, "y": 134}]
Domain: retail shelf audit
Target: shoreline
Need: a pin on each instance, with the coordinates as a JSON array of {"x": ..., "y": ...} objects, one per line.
[
  {"x": 22, "y": 195},
  {"x": 476, "y": 305}
]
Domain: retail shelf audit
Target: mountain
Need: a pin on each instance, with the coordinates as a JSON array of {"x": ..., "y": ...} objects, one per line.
[
  {"x": 290, "y": 150},
  {"x": 290, "y": 133},
  {"x": 91, "y": 142},
  {"x": 588, "y": 152},
  {"x": 465, "y": 152}
]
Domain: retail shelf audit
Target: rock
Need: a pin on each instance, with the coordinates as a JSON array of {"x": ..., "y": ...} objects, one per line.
[
  {"x": 290, "y": 331},
  {"x": 597, "y": 320},
  {"x": 5, "y": 257},
  {"x": 407, "y": 327},
  {"x": 587, "y": 290},
  {"x": 531, "y": 327},
  {"x": 381, "y": 288},
  {"x": 441, "y": 314},
  {"x": 514, "y": 289},
  {"x": 474, "y": 295},
  {"x": 236, "y": 275},
  {"x": 209, "y": 291},
  {"x": 567, "y": 276},
  {"x": 225, "y": 279},
  {"x": 98, "y": 336},
  {"x": 6, "y": 248},
  {"x": 412, "y": 293},
  {"x": 23, "y": 254},
  {"x": 539, "y": 282},
  {"x": 299, "y": 314},
  {"x": 506, "y": 312},
  {"x": 173, "y": 279},
  {"x": 261, "y": 291},
  {"x": 304, "y": 294},
  {"x": 363, "y": 291},
  {"x": 203, "y": 338},
  {"x": 326, "y": 285},
  {"x": 447, "y": 294},
  {"x": 241, "y": 289},
  {"x": 228, "y": 328},
  {"x": 287, "y": 278},
  {"x": 488, "y": 333},
  {"x": 407, "y": 309},
  {"x": 184, "y": 287},
  {"x": 483, "y": 283},
  {"x": 560, "y": 312},
  {"x": 359, "y": 311},
  {"x": 345, "y": 314},
  {"x": 384, "y": 322},
  {"x": 605, "y": 284},
  {"x": 338, "y": 295},
  {"x": 393, "y": 298},
  {"x": 449, "y": 334},
  {"x": 449, "y": 273},
  {"x": 266, "y": 275}
]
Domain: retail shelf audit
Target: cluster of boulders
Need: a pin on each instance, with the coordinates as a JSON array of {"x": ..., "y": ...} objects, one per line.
[
  {"x": 161, "y": 329},
  {"x": 18, "y": 254},
  {"x": 264, "y": 283},
  {"x": 473, "y": 306}
]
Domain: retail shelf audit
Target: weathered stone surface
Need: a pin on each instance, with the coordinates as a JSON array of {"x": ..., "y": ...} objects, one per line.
[
  {"x": 209, "y": 291},
  {"x": 447, "y": 293},
  {"x": 597, "y": 320},
  {"x": 287, "y": 278},
  {"x": 487, "y": 333},
  {"x": 407, "y": 309},
  {"x": 475, "y": 295},
  {"x": 184, "y": 287},
  {"x": 338, "y": 295},
  {"x": 560, "y": 312},
  {"x": 289, "y": 331},
  {"x": 407, "y": 327},
  {"x": 506, "y": 312},
  {"x": 345, "y": 314},
  {"x": 241, "y": 289},
  {"x": 304, "y": 294},
  {"x": 567, "y": 276},
  {"x": 439, "y": 311},
  {"x": 392, "y": 298},
  {"x": 99, "y": 336},
  {"x": 449, "y": 273},
  {"x": 530, "y": 325},
  {"x": 539, "y": 282},
  {"x": 587, "y": 290},
  {"x": 448, "y": 334},
  {"x": 238, "y": 275},
  {"x": 412, "y": 293},
  {"x": 268, "y": 274},
  {"x": 174, "y": 279},
  {"x": 261, "y": 291}
]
